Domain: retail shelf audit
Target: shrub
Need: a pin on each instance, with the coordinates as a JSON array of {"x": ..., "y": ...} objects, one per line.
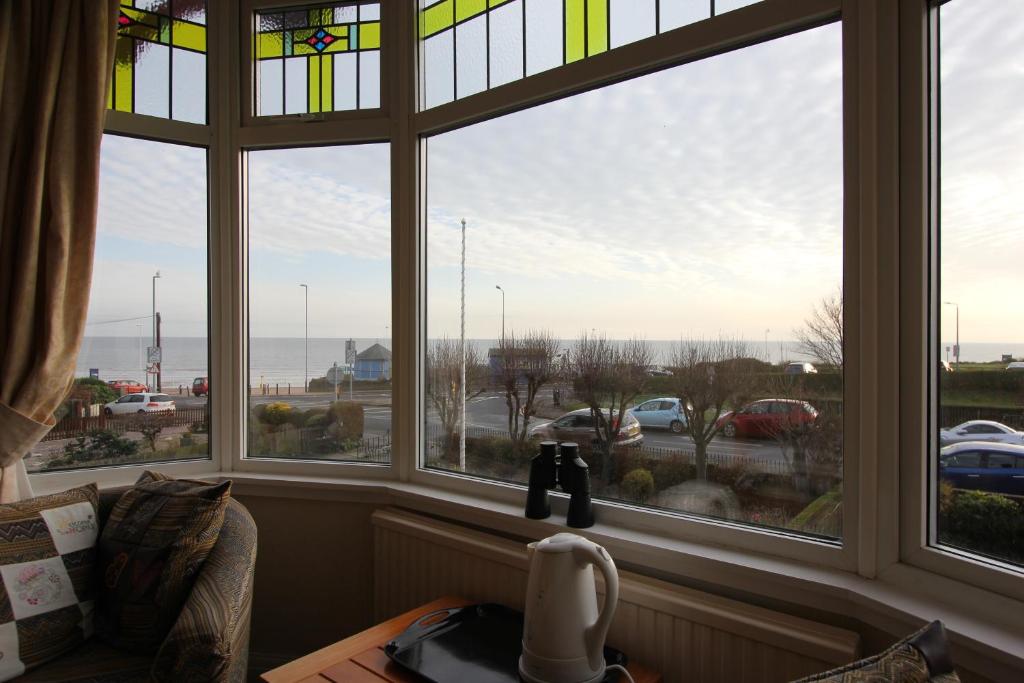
[
  {"x": 638, "y": 485},
  {"x": 350, "y": 415},
  {"x": 275, "y": 414},
  {"x": 99, "y": 444},
  {"x": 320, "y": 385},
  {"x": 983, "y": 522},
  {"x": 672, "y": 471},
  {"x": 93, "y": 390},
  {"x": 317, "y": 421}
]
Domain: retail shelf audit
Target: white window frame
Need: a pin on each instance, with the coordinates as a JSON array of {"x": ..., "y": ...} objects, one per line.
[{"x": 886, "y": 180}]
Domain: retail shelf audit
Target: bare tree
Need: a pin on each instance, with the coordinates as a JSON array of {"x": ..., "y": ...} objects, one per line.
[
  {"x": 525, "y": 365},
  {"x": 709, "y": 377},
  {"x": 821, "y": 337},
  {"x": 444, "y": 382},
  {"x": 607, "y": 377}
]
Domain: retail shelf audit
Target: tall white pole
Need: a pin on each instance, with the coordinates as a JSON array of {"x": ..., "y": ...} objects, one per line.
[
  {"x": 462, "y": 337},
  {"x": 154, "y": 322},
  {"x": 305, "y": 377}
]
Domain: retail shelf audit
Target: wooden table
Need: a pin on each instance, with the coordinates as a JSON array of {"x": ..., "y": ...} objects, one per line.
[{"x": 361, "y": 658}]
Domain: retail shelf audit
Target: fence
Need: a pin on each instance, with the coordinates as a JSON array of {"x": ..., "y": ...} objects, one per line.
[
  {"x": 71, "y": 427},
  {"x": 314, "y": 441},
  {"x": 950, "y": 416},
  {"x": 436, "y": 437}
]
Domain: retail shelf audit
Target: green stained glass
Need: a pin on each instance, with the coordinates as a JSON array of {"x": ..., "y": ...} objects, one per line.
[
  {"x": 316, "y": 35},
  {"x": 140, "y": 34}
]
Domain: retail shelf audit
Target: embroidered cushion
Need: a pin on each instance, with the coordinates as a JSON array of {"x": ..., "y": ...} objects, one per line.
[
  {"x": 47, "y": 569},
  {"x": 919, "y": 658},
  {"x": 151, "y": 549}
]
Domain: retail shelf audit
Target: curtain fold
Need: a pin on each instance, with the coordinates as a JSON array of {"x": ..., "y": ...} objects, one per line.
[{"x": 56, "y": 57}]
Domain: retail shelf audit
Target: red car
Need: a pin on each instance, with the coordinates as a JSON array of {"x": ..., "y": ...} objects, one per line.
[
  {"x": 200, "y": 386},
  {"x": 765, "y": 418},
  {"x": 127, "y": 386}
]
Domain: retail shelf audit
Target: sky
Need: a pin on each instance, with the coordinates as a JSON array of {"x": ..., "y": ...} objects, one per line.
[{"x": 705, "y": 199}]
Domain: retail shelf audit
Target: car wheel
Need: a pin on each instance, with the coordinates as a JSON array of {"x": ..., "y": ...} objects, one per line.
[
  {"x": 108, "y": 412},
  {"x": 142, "y": 412},
  {"x": 729, "y": 430},
  {"x": 676, "y": 427}
]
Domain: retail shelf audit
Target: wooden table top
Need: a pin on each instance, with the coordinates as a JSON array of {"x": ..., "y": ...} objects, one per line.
[{"x": 361, "y": 658}]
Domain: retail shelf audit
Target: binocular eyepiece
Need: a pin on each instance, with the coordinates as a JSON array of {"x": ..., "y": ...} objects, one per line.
[{"x": 548, "y": 470}]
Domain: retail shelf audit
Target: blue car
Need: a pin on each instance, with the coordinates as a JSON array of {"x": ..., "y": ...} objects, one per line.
[
  {"x": 661, "y": 413},
  {"x": 993, "y": 467}
]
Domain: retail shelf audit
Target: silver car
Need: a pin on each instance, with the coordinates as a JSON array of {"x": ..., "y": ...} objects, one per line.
[
  {"x": 980, "y": 430},
  {"x": 578, "y": 426}
]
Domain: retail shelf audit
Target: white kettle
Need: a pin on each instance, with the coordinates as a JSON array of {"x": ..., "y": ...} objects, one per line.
[{"x": 563, "y": 634}]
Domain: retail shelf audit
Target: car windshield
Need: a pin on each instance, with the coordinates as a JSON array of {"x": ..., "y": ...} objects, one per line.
[{"x": 160, "y": 398}]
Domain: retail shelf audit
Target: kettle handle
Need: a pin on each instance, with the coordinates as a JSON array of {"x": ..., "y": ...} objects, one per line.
[{"x": 591, "y": 553}]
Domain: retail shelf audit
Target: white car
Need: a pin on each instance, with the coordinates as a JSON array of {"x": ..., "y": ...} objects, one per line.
[
  {"x": 980, "y": 430},
  {"x": 1016, "y": 365},
  {"x": 139, "y": 403}
]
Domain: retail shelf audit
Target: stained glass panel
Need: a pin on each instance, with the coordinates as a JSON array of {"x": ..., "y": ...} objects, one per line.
[
  {"x": 160, "y": 60},
  {"x": 525, "y": 37},
  {"x": 318, "y": 59}
]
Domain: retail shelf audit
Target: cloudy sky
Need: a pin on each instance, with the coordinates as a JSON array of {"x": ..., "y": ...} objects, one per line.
[{"x": 704, "y": 199}]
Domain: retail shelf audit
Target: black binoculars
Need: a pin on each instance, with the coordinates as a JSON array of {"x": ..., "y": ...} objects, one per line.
[{"x": 548, "y": 470}]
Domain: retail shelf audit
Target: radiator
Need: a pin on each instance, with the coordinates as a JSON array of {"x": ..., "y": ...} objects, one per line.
[{"x": 688, "y": 635}]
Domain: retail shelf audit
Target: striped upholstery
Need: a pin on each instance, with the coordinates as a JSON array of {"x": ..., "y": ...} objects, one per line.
[{"x": 210, "y": 639}]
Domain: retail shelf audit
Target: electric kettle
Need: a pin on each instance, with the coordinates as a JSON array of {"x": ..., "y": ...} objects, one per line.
[{"x": 563, "y": 633}]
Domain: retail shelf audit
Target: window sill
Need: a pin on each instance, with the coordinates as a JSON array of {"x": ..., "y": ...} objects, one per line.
[{"x": 984, "y": 626}]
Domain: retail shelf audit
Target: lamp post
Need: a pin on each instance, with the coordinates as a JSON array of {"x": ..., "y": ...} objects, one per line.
[
  {"x": 766, "y": 356},
  {"x": 498, "y": 287},
  {"x": 462, "y": 349},
  {"x": 155, "y": 277},
  {"x": 305, "y": 377},
  {"x": 956, "y": 349}
]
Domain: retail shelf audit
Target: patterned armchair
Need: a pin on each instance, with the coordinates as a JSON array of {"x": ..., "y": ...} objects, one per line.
[{"x": 210, "y": 639}]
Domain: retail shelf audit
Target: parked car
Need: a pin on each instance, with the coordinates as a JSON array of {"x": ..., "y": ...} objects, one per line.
[
  {"x": 664, "y": 413},
  {"x": 201, "y": 386},
  {"x": 658, "y": 371},
  {"x": 578, "y": 426},
  {"x": 766, "y": 417},
  {"x": 980, "y": 430},
  {"x": 140, "y": 403},
  {"x": 1016, "y": 365},
  {"x": 800, "y": 368},
  {"x": 994, "y": 467},
  {"x": 127, "y": 386},
  {"x": 944, "y": 366}
]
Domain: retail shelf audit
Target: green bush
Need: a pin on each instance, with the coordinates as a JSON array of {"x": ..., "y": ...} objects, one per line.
[
  {"x": 672, "y": 471},
  {"x": 275, "y": 414},
  {"x": 317, "y": 421},
  {"x": 638, "y": 485},
  {"x": 97, "y": 390},
  {"x": 98, "y": 444},
  {"x": 983, "y": 522},
  {"x": 320, "y": 385}
]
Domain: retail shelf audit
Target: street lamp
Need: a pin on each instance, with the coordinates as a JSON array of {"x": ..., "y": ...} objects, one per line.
[
  {"x": 956, "y": 349},
  {"x": 155, "y": 277},
  {"x": 305, "y": 377},
  {"x": 498, "y": 287}
]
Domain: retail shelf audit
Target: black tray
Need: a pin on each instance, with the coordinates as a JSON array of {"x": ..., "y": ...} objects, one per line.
[{"x": 478, "y": 643}]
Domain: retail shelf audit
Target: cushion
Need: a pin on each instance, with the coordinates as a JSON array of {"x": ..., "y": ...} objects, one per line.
[
  {"x": 47, "y": 565},
  {"x": 919, "y": 658},
  {"x": 151, "y": 549},
  {"x": 93, "y": 662}
]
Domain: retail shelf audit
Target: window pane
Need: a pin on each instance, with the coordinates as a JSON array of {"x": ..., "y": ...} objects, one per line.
[
  {"x": 981, "y": 238},
  {"x": 146, "y": 332},
  {"x": 160, "y": 61},
  {"x": 603, "y": 228},
  {"x": 320, "y": 303},
  {"x": 330, "y": 55}
]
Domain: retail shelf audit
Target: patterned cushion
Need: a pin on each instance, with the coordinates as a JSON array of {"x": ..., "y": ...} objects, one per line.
[
  {"x": 151, "y": 549},
  {"x": 47, "y": 562},
  {"x": 918, "y": 658}
]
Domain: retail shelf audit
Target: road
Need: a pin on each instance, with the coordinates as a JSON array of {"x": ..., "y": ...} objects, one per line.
[{"x": 488, "y": 411}]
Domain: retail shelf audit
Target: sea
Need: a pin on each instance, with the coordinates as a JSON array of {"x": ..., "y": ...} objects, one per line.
[{"x": 281, "y": 360}]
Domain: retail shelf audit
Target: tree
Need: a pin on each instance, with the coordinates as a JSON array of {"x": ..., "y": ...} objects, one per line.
[
  {"x": 525, "y": 365},
  {"x": 709, "y": 377},
  {"x": 821, "y": 337},
  {"x": 607, "y": 377},
  {"x": 444, "y": 383}
]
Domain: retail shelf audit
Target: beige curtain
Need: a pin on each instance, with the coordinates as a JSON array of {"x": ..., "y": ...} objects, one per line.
[{"x": 55, "y": 61}]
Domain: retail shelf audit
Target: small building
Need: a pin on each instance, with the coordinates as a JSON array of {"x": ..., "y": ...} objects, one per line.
[{"x": 374, "y": 363}]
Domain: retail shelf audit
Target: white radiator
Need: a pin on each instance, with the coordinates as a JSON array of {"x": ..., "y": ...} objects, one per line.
[{"x": 688, "y": 635}]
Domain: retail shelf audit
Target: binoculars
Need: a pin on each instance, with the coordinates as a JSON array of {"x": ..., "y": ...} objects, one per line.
[{"x": 548, "y": 470}]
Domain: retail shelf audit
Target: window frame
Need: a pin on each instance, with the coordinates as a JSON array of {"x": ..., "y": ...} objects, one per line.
[{"x": 919, "y": 263}]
